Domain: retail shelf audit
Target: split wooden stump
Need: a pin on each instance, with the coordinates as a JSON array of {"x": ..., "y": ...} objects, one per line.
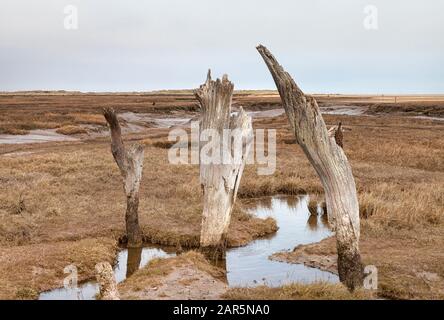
[{"x": 220, "y": 179}]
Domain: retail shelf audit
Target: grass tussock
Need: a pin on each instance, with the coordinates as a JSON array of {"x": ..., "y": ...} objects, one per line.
[
  {"x": 85, "y": 118},
  {"x": 71, "y": 130}
]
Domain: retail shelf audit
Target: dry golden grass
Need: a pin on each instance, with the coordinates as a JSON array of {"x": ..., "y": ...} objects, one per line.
[
  {"x": 81, "y": 184},
  {"x": 67, "y": 192},
  {"x": 312, "y": 291},
  {"x": 94, "y": 119},
  {"x": 70, "y": 130}
]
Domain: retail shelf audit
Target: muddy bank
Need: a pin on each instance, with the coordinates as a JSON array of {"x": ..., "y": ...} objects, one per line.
[
  {"x": 188, "y": 276},
  {"x": 303, "y": 254}
]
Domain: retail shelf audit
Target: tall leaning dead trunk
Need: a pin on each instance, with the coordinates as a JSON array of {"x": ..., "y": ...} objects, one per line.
[
  {"x": 220, "y": 181},
  {"x": 130, "y": 163},
  {"x": 324, "y": 151}
]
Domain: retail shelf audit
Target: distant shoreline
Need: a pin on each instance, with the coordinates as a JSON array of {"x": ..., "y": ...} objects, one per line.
[{"x": 440, "y": 96}]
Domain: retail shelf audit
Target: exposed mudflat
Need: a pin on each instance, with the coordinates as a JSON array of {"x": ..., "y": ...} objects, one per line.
[
  {"x": 345, "y": 110},
  {"x": 132, "y": 122},
  {"x": 266, "y": 113},
  {"x": 35, "y": 136},
  {"x": 139, "y": 121}
]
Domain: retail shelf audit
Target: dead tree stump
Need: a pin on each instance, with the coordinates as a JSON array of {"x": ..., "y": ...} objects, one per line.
[
  {"x": 107, "y": 282},
  {"x": 324, "y": 151},
  {"x": 130, "y": 163},
  {"x": 220, "y": 181}
]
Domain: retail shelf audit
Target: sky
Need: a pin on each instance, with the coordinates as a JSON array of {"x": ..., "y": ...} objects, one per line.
[{"x": 328, "y": 46}]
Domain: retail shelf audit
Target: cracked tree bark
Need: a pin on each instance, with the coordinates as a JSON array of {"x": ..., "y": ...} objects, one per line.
[
  {"x": 325, "y": 153},
  {"x": 220, "y": 181},
  {"x": 130, "y": 163}
]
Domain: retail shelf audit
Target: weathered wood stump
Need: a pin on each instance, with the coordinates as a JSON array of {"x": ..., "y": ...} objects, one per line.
[
  {"x": 220, "y": 180},
  {"x": 130, "y": 163},
  {"x": 107, "y": 282},
  {"x": 325, "y": 153}
]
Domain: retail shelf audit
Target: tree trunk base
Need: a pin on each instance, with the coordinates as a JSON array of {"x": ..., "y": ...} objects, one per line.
[
  {"x": 133, "y": 232},
  {"x": 350, "y": 268},
  {"x": 134, "y": 241},
  {"x": 215, "y": 253}
]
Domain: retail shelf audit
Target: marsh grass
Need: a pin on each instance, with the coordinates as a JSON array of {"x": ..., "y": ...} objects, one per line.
[{"x": 69, "y": 192}]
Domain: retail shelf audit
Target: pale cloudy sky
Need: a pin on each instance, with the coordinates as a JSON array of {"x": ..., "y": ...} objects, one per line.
[{"x": 136, "y": 45}]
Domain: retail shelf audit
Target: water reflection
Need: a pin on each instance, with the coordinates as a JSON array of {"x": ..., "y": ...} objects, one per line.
[
  {"x": 133, "y": 262},
  {"x": 251, "y": 266},
  {"x": 324, "y": 221},
  {"x": 312, "y": 222},
  {"x": 292, "y": 202}
]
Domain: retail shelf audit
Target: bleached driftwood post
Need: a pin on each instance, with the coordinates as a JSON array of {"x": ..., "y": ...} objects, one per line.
[
  {"x": 107, "y": 282},
  {"x": 130, "y": 163},
  {"x": 220, "y": 181},
  {"x": 324, "y": 151}
]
